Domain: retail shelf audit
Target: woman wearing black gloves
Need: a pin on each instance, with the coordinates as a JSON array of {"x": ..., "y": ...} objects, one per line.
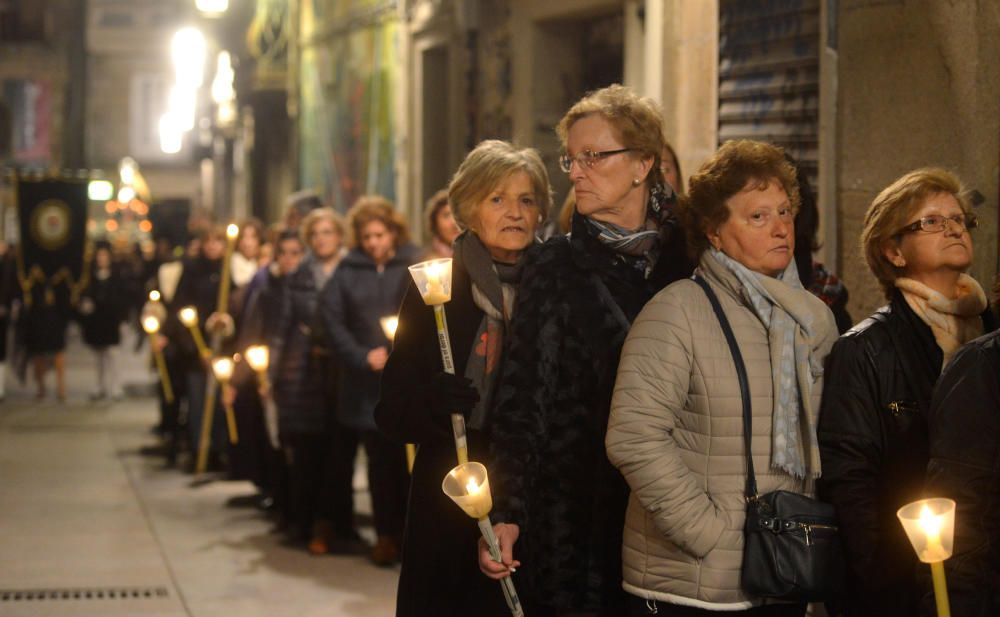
[{"x": 499, "y": 194}]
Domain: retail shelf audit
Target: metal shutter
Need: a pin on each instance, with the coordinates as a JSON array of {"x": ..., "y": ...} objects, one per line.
[{"x": 769, "y": 75}]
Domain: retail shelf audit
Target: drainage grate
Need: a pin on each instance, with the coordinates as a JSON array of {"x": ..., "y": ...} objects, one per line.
[{"x": 89, "y": 593}]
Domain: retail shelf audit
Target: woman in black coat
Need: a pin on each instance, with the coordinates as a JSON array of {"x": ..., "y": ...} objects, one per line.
[
  {"x": 964, "y": 427},
  {"x": 368, "y": 285},
  {"x": 872, "y": 426},
  {"x": 319, "y": 456},
  {"x": 199, "y": 287},
  {"x": 103, "y": 307},
  {"x": 556, "y": 494},
  {"x": 417, "y": 397}
]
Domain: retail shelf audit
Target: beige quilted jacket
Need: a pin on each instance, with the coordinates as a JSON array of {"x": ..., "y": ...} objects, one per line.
[{"x": 676, "y": 432}]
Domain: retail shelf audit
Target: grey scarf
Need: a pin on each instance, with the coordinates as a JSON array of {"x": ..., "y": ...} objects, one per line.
[
  {"x": 791, "y": 326},
  {"x": 493, "y": 288}
]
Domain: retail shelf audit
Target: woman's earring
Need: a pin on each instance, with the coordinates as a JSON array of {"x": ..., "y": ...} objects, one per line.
[{"x": 636, "y": 182}]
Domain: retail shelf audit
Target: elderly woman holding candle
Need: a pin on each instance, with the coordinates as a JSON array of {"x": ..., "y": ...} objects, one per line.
[
  {"x": 369, "y": 285},
  {"x": 676, "y": 427},
  {"x": 873, "y": 429},
  {"x": 560, "y": 504},
  {"x": 500, "y": 193}
]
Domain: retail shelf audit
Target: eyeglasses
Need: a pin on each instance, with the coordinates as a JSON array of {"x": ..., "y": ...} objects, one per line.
[
  {"x": 935, "y": 223},
  {"x": 587, "y": 158}
]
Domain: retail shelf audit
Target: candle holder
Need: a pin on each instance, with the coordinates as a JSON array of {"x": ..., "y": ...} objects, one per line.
[
  {"x": 222, "y": 368},
  {"x": 468, "y": 485},
  {"x": 389, "y": 325},
  {"x": 259, "y": 359},
  {"x": 930, "y": 526},
  {"x": 189, "y": 317},
  {"x": 152, "y": 325},
  {"x": 433, "y": 281}
]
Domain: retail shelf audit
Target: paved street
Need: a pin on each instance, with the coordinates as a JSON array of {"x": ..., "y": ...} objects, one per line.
[{"x": 90, "y": 526}]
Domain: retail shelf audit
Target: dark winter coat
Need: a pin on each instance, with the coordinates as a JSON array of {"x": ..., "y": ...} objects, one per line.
[
  {"x": 964, "y": 427},
  {"x": 874, "y": 449},
  {"x": 353, "y": 301},
  {"x": 198, "y": 287},
  {"x": 440, "y": 575},
  {"x": 110, "y": 299},
  {"x": 549, "y": 469},
  {"x": 301, "y": 364}
]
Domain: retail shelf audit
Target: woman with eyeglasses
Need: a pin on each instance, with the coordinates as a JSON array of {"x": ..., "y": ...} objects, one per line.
[
  {"x": 559, "y": 504},
  {"x": 872, "y": 427}
]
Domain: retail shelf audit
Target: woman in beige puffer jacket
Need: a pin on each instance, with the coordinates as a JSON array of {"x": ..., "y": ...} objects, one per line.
[{"x": 676, "y": 426}]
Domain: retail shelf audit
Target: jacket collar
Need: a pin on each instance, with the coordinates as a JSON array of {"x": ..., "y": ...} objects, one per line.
[{"x": 405, "y": 255}]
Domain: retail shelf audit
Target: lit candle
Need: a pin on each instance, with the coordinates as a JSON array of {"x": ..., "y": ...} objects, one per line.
[
  {"x": 223, "y": 367},
  {"x": 930, "y": 526},
  {"x": 232, "y": 231},
  {"x": 152, "y": 325},
  {"x": 389, "y": 326},
  {"x": 259, "y": 358},
  {"x": 468, "y": 485},
  {"x": 189, "y": 317},
  {"x": 154, "y": 296}
]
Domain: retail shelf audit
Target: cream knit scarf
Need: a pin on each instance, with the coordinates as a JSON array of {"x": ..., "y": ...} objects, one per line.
[{"x": 953, "y": 322}]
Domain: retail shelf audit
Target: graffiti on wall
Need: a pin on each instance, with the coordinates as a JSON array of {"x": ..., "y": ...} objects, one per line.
[{"x": 349, "y": 81}]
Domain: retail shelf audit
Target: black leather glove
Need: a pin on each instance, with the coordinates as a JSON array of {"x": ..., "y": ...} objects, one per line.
[{"x": 452, "y": 394}]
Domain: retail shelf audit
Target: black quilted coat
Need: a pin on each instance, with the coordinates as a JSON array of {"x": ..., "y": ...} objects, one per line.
[
  {"x": 549, "y": 472},
  {"x": 964, "y": 425},
  {"x": 874, "y": 449}
]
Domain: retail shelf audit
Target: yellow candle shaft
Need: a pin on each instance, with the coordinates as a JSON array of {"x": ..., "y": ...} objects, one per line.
[
  {"x": 463, "y": 455},
  {"x": 940, "y": 589},
  {"x": 262, "y": 378},
  {"x": 206, "y": 429},
  {"x": 199, "y": 341},
  {"x": 161, "y": 368},
  {"x": 411, "y": 456},
  {"x": 234, "y": 437},
  {"x": 223, "y": 306}
]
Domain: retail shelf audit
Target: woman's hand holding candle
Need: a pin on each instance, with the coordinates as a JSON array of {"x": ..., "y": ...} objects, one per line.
[
  {"x": 507, "y": 535},
  {"x": 377, "y": 358}
]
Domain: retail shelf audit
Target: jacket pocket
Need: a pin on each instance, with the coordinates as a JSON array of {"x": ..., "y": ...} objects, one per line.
[{"x": 902, "y": 412}]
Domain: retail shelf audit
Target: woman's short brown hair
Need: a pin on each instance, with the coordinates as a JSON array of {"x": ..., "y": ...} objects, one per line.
[
  {"x": 733, "y": 166},
  {"x": 892, "y": 210},
  {"x": 489, "y": 164},
  {"x": 316, "y": 215},
  {"x": 371, "y": 208},
  {"x": 636, "y": 119},
  {"x": 434, "y": 206}
]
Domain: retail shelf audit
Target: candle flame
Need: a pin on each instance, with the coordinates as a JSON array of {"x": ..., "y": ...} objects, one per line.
[
  {"x": 232, "y": 230},
  {"x": 223, "y": 368},
  {"x": 929, "y": 522},
  {"x": 151, "y": 324},
  {"x": 154, "y": 296},
  {"x": 472, "y": 487},
  {"x": 258, "y": 356},
  {"x": 389, "y": 326},
  {"x": 434, "y": 270},
  {"x": 188, "y": 316}
]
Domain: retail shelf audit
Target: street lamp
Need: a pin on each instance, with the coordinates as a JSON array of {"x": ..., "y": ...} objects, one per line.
[{"x": 212, "y": 8}]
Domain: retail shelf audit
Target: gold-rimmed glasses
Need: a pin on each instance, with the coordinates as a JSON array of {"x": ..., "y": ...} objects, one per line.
[{"x": 588, "y": 158}]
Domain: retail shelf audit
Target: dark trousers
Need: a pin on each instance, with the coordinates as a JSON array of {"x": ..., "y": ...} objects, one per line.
[
  {"x": 248, "y": 457},
  {"x": 643, "y": 608},
  {"x": 307, "y": 456},
  {"x": 340, "y": 479},
  {"x": 388, "y": 482}
]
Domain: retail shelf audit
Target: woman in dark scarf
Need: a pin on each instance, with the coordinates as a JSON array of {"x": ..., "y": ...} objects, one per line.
[
  {"x": 555, "y": 492},
  {"x": 499, "y": 193}
]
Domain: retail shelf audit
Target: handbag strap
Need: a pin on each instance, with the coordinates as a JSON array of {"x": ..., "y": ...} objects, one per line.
[
  {"x": 609, "y": 301},
  {"x": 750, "y": 491}
]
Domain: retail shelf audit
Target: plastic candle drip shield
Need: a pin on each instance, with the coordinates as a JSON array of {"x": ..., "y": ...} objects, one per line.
[
  {"x": 930, "y": 526},
  {"x": 469, "y": 487},
  {"x": 433, "y": 280}
]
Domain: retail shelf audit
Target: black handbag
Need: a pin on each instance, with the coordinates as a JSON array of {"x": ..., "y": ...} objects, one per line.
[{"x": 791, "y": 548}]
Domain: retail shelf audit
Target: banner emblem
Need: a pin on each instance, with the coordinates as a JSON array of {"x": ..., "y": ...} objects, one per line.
[{"x": 50, "y": 224}]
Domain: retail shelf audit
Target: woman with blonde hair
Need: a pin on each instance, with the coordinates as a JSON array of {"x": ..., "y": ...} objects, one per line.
[
  {"x": 873, "y": 427},
  {"x": 368, "y": 285},
  {"x": 500, "y": 193},
  {"x": 559, "y": 503}
]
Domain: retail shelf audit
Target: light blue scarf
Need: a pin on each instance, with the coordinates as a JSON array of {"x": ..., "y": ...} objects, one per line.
[{"x": 790, "y": 328}]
